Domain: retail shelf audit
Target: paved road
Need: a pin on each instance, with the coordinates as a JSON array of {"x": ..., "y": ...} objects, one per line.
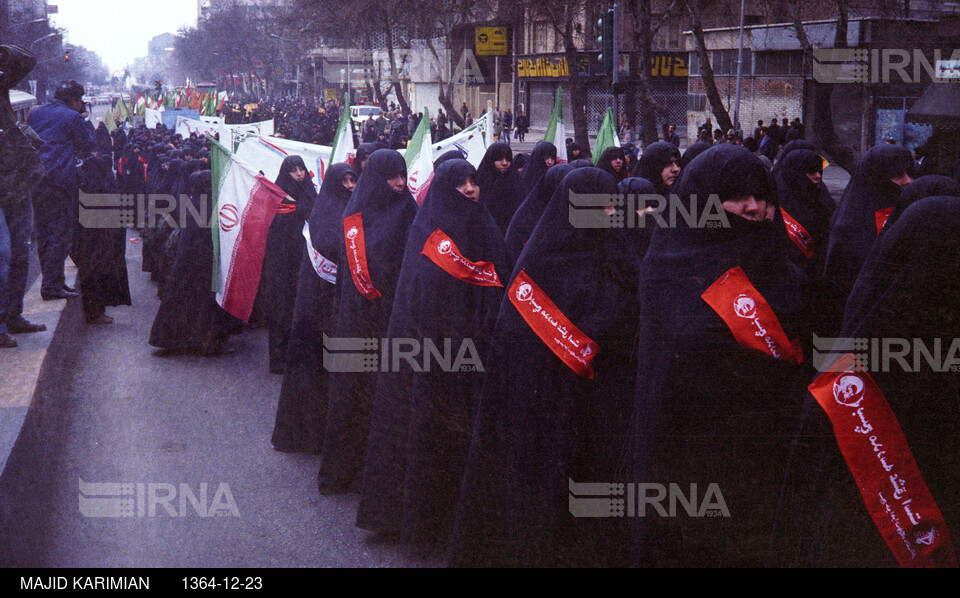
[{"x": 112, "y": 411}]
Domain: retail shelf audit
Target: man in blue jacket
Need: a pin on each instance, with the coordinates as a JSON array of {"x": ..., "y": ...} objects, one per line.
[{"x": 67, "y": 135}]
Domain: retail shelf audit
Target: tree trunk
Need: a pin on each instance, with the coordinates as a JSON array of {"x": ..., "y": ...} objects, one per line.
[
  {"x": 643, "y": 40},
  {"x": 578, "y": 97},
  {"x": 706, "y": 72},
  {"x": 395, "y": 75},
  {"x": 824, "y": 130}
]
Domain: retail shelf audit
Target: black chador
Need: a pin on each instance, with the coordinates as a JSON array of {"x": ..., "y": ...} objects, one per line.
[
  {"x": 557, "y": 401},
  {"x": 451, "y": 284},
  {"x": 719, "y": 384},
  {"x": 373, "y": 234},
  {"x": 282, "y": 257},
  {"x": 301, "y": 412},
  {"x": 530, "y": 211}
]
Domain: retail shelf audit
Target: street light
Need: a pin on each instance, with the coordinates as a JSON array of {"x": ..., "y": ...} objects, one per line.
[
  {"x": 42, "y": 20},
  {"x": 40, "y": 39}
]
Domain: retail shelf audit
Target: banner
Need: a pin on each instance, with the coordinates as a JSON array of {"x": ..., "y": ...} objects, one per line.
[{"x": 267, "y": 153}]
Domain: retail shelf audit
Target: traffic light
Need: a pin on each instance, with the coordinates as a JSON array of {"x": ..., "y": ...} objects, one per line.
[
  {"x": 159, "y": 85},
  {"x": 605, "y": 40},
  {"x": 66, "y": 55}
]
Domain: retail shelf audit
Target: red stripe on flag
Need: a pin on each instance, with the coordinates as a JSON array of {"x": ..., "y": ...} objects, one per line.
[{"x": 246, "y": 261}]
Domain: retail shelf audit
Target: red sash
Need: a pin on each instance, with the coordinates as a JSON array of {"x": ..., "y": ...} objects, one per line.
[
  {"x": 877, "y": 454},
  {"x": 357, "y": 256},
  {"x": 799, "y": 235},
  {"x": 573, "y": 347},
  {"x": 749, "y": 316},
  {"x": 443, "y": 252},
  {"x": 881, "y": 217}
]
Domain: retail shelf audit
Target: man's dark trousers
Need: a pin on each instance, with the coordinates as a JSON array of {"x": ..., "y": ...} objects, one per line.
[
  {"x": 54, "y": 211},
  {"x": 19, "y": 219}
]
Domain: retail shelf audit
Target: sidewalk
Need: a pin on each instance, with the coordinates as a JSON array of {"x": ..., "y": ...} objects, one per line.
[{"x": 23, "y": 370}]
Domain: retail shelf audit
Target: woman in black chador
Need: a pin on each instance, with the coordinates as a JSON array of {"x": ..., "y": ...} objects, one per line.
[
  {"x": 719, "y": 384},
  {"x": 450, "y": 288},
  {"x": 556, "y": 404},
  {"x": 931, "y": 185},
  {"x": 614, "y": 161},
  {"x": 543, "y": 156},
  {"x": 189, "y": 318},
  {"x": 869, "y": 198},
  {"x": 282, "y": 257},
  {"x": 100, "y": 253},
  {"x": 501, "y": 189},
  {"x": 301, "y": 412},
  {"x": 807, "y": 207},
  {"x": 530, "y": 211},
  {"x": 908, "y": 290},
  {"x": 660, "y": 164},
  {"x": 373, "y": 234}
]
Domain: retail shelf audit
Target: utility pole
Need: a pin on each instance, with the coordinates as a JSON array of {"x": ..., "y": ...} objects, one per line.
[
  {"x": 616, "y": 66},
  {"x": 736, "y": 105}
]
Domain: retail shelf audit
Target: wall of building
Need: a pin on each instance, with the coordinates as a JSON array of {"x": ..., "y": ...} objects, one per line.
[{"x": 761, "y": 98}]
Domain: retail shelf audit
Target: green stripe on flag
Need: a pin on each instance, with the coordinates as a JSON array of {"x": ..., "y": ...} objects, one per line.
[
  {"x": 344, "y": 122},
  {"x": 606, "y": 136},
  {"x": 551, "y": 133},
  {"x": 220, "y": 163},
  {"x": 423, "y": 129}
]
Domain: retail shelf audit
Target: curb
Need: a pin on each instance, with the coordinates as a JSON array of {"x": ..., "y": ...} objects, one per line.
[{"x": 36, "y": 363}]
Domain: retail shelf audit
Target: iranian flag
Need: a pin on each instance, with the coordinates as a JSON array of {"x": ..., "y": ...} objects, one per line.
[
  {"x": 245, "y": 203},
  {"x": 556, "y": 133},
  {"x": 343, "y": 150},
  {"x": 606, "y": 136},
  {"x": 419, "y": 158}
]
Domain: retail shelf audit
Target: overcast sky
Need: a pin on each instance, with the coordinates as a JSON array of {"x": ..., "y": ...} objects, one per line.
[{"x": 118, "y": 30}]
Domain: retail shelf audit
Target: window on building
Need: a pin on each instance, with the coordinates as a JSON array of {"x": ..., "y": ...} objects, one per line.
[
  {"x": 541, "y": 37},
  {"x": 779, "y": 63},
  {"x": 669, "y": 34},
  {"x": 724, "y": 62}
]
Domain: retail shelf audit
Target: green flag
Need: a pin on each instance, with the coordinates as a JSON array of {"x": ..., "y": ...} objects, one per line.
[
  {"x": 606, "y": 136},
  {"x": 556, "y": 132}
]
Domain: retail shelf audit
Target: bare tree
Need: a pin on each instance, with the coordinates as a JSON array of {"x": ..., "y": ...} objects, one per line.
[
  {"x": 824, "y": 131},
  {"x": 645, "y": 28},
  {"x": 564, "y": 17},
  {"x": 706, "y": 69}
]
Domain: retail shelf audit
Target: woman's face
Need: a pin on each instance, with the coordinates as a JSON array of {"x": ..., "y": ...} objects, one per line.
[
  {"x": 617, "y": 163},
  {"x": 815, "y": 177},
  {"x": 298, "y": 173},
  {"x": 550, "y": 161},
  {"x": 670, "y": 172},
  {"x": 902, "y": 181},
  {"x": 469, "y": 188},
  {"x": 503, "y": 165},
  {"x": 749, "y": 207},
  {"x": 397, "y": 182},
  {"x": 349, "y": 182}
]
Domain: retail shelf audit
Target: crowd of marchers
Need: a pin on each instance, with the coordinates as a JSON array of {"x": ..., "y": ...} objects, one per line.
[{"x": 669, "y": 367}]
